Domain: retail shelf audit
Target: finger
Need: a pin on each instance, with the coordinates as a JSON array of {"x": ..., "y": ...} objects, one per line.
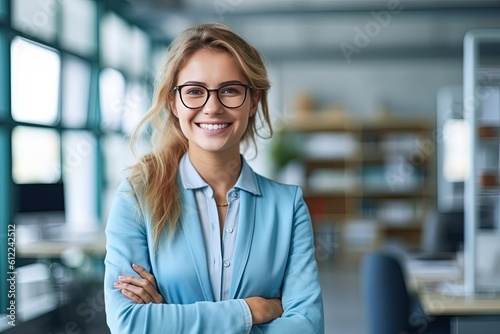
[
  {"x": 127, "y": 293},
  {"x": 145, "y": 274},
  {"x": 132, "y": 296},
  {"x": 138, "y": 291},
  {"x": 277, "y": 307},
  {"x": 142, "y": 283}
]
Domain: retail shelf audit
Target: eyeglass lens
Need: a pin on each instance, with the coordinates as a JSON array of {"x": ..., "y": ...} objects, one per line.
[{"x": 231, "y": 96}]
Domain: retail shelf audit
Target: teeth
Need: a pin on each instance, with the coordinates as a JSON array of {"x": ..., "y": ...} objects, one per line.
[{"x": 213, "y": 126}]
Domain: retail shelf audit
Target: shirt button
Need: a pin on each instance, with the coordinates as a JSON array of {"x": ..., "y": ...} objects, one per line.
[
  {"x": 226, "y": 264},
  {"x": 234, "y": 195},
  {"x": 229, "y": 230}
]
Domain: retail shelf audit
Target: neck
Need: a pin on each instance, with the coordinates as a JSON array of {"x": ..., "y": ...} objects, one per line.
[{"x": 219, "y": 169}]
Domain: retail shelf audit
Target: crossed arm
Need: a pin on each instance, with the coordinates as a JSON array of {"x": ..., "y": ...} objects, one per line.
[
  {"x": 134, "y": 304},
  {"x": 143, "y": 290}
]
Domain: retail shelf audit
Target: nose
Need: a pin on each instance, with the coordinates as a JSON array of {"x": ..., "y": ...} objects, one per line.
[{"x": 213, "y": 105}]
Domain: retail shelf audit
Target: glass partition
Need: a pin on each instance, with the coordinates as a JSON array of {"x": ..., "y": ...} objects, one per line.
[{"x": 482, "y": 186}]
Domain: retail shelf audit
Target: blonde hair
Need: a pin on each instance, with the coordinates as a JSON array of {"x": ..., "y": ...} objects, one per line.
[{"x": 154, "y": 176}]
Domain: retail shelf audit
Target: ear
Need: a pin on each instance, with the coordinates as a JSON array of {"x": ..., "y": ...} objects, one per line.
[
  {"x": 255, "y": 98},
  {"x": 171, "y": 102}
]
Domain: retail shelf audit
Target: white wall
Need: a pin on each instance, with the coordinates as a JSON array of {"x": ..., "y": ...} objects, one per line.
[{"x": 408, "y": 87}]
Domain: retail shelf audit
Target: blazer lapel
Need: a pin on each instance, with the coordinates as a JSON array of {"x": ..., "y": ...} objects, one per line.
[
  {"x": 191, "y": 227},
  {"x": 246, "y": 223}
]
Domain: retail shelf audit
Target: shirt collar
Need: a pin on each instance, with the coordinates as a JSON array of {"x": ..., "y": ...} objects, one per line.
[{"x": 191, "y": 179}]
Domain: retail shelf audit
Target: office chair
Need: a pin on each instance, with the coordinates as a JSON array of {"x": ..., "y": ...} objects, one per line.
[{"x": 390, "y": 309}]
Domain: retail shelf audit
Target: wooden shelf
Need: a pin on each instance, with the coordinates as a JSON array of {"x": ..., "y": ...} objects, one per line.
[{"x": 366, "y": 191}]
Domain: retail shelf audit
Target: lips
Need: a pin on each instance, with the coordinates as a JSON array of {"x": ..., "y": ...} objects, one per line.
[{"x": 213, "y": 126}]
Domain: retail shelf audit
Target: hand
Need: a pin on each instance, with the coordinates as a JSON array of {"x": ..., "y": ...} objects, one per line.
[
  {"x": 264, "y": 310},
  {"x": 140, "y": 290}
]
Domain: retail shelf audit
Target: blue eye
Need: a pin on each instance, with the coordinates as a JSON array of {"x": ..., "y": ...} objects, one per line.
[
  {"x": 194, "y": 91},
  {"x": 231, "y": 90}
]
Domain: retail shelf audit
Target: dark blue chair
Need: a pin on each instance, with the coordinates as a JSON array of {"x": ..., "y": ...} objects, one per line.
[{"x": 390, "y": 309}]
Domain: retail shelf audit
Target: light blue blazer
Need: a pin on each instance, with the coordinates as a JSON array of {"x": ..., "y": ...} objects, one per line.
[{"x": 273, "y": 258}]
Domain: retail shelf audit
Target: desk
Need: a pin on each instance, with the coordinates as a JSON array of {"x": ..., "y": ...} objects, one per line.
[
  {"x": 83, "y": 252},
  {"x": 54, "y": 248},
  {"x": 93, "y": 244},
  {"x": 440, "y": 292}
]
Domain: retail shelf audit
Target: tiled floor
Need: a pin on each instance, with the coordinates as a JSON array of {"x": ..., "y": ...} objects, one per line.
[{"x": 340, "y": 281}]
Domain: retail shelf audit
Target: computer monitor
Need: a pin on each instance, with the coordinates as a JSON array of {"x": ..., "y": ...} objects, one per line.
[{"x": 40, "y": 203}]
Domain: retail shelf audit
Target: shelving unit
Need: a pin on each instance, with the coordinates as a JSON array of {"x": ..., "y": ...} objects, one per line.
[{"x": 371, "y": 180}]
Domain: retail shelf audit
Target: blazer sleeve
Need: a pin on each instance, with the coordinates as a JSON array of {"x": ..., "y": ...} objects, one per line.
[
  {"x": 301, "y": 291},
  {"x": 126, "y": 244}
]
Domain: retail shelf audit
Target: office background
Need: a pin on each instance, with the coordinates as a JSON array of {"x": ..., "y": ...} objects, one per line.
[{"x": 76, "y": 76}]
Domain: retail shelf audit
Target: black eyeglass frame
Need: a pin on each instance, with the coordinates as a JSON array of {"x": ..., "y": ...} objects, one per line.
[{"x": 247, "y": 87}]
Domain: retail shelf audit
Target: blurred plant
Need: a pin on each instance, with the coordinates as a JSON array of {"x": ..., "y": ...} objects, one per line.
[{"x": 284, "y": 148}]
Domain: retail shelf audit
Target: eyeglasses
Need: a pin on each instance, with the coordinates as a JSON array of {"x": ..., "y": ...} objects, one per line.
[{"x": 196, "y": 96}]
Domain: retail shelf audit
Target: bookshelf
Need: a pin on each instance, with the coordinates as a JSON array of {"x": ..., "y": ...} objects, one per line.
[{"x": 371, "y": 181}]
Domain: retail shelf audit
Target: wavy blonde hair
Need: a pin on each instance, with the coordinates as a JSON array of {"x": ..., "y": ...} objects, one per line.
[{"x": 154, "y": 176}]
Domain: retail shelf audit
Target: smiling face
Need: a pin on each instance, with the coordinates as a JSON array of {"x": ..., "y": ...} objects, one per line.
[{"x": 212, "y": 127}]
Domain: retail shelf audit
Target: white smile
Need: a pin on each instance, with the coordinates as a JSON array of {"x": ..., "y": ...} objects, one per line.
[{"x": 213, "y": 126}]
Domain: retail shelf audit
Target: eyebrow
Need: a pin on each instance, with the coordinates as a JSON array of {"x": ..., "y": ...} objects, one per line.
[{"x": 220, "y": 85}]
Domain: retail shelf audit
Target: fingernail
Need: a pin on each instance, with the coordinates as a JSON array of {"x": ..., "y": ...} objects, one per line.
[
  {"x": 116, "y": 283},
  {"x": 134, "y": 265},
  {"x": 121, "y": 277}
]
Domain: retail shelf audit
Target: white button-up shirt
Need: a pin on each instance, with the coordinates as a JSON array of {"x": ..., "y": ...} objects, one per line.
[{"x": 219, "y": 251}]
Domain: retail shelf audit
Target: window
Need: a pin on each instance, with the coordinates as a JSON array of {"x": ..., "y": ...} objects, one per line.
[
  {"x": 115, "y": 37},
  {"x": 138, "y": 49},
  {"x": 35, "y": 155},
  {"x": 34, "y": 82},
  {"x": 79, "y": 25},
  {"x": 456, "y": 140},
  {"x": 79, "y": 150},
  {"x": 75, "y": 91},
  {"x": 118, "y": 158},
  {"x": 136, "y": 105},
  {"x": 35, "y": 17},
  {"x": 112, "y": 98}
]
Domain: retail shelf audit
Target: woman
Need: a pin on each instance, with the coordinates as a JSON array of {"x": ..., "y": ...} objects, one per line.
[{"x": 196, "y": 241}]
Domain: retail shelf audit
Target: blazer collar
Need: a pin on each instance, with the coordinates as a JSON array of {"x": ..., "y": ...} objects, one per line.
[
  {"x": 191, "y": 226},
  {"x": 191, "y": 179}
]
